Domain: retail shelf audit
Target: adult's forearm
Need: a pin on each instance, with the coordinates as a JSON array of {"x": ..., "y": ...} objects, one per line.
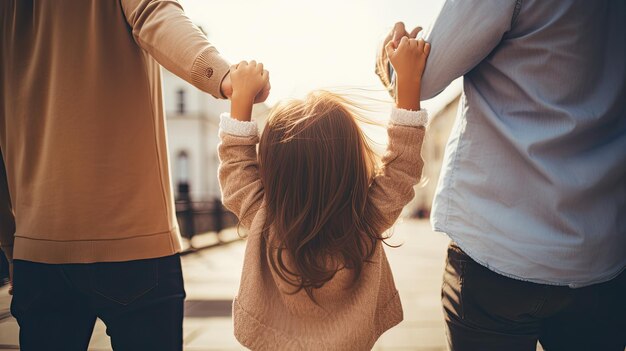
[
  {"x": 463, "y": 35},
  {"x": 161, "y": 28}
]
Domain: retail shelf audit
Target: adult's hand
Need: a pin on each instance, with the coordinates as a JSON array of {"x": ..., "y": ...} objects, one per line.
[
  {"x": 227, "y": 89},
  {"x": 382, "y": 61},
  {"x": 263, "y": 94},
  {"x": 399, "y": 31}
]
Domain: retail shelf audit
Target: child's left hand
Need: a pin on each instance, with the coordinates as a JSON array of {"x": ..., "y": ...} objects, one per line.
[
  {"x": 408, "y": 60},
  {"x": 248, "y": 80}
]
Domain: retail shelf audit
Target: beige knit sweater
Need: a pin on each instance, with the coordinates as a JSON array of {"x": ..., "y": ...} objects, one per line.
[
  {"x": 84, "y": 174},
  {"x": 347, "y": 318}
]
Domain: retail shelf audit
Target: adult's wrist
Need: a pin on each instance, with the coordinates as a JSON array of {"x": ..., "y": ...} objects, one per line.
[{"x": 226, "y": 86}]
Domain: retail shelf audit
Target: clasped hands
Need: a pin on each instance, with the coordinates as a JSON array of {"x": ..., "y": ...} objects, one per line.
[
  {"x": 250, "y": 84},
  {"x": 408, "y": 57},
  {"x": 382, "y": 60},
  {"x": 227, "y": 88}
]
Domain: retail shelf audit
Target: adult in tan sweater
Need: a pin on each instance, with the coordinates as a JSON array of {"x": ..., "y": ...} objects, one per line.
[
  {"x": 86, "y": 211},
  {"x": 315, "y": 275}
]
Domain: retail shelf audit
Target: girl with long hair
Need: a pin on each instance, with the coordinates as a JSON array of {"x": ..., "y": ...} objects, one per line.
[{"x": 315, "y": 275}]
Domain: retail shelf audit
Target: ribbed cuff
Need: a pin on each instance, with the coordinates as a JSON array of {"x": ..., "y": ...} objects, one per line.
[
  {"x": 232, "y": 126},
  {"x": 408, "y": 118},
  {"x": 208, "y": 71}
]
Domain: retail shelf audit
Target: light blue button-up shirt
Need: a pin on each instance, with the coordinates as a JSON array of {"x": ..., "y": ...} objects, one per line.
[{"x": 533, "y": 184}]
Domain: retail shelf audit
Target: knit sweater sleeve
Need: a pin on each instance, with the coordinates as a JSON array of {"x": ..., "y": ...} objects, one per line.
[
  {"x": 162, "y": 29},
  {"x": 402, "y": 166},
  {"x": 242, "y": 190}
]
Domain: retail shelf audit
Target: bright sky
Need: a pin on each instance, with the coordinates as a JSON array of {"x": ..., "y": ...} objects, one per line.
[{"x": 309, "y": 45}]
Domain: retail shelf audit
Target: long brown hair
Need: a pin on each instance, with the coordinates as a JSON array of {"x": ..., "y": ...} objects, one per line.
[{"x": 316, "y": 167}]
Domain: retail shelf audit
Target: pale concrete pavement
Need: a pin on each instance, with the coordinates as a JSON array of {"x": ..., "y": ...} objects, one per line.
[{"x": 212, "y": 277}]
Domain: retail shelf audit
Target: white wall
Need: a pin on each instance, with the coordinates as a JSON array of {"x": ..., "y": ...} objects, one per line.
[{"x": 194, "y": 132}]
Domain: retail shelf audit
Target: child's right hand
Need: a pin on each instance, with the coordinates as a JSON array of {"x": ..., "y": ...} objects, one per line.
[
  {"x": 408, "y": 60},
  {"x": 248, "y": 80}
]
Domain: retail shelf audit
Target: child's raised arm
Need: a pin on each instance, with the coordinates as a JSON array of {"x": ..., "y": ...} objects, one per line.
[
  {"x": 242, "y": 190},
  {"x": 392, "y": 189}
]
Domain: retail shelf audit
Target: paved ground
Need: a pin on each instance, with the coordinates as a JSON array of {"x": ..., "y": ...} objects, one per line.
[{"x": 212, "y": 277}]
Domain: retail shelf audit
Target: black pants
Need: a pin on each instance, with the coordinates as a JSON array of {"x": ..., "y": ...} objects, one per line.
[
  {"x": 141, "y": 303},
  {"x": 487, "y": 311}
]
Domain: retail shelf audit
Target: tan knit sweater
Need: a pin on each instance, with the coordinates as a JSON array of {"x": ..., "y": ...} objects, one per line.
[
  {"x": 267, "y": 318},
  {"x": 82, "y": 128}
]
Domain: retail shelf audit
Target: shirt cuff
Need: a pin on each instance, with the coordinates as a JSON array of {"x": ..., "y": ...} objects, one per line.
[
  {"x": 408, "y": 118},
  {"x": 235, "y": 127}
]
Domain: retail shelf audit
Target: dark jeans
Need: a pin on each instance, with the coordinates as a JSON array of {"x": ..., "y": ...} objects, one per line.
[
  {"x": 487, "y": 311},
  {"x": 141, "y": 303}
]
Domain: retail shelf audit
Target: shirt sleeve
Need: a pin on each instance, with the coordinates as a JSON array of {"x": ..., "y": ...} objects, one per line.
[
  {"x": 162, "y": 29},
  {"x": 7, "y": 217},
  {"x": 242, "y": 189},
  {"x": 392, "y": 188},
  {"x": 464, "y": 34}
]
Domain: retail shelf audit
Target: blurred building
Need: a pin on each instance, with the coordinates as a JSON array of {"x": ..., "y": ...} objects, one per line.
[
  {"x": 432, "y": 152},
  {"x": 192, "y": 127}
]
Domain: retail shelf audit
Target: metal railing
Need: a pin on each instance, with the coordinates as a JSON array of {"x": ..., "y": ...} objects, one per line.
[{"x": 196, "y": 217}]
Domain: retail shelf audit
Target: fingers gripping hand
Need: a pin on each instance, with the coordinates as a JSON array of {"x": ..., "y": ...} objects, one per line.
[
  {"x": 249, "y": 80},
  {"x": 398, "y": 32},
  {"x": 250, "y": 84},
  {"x": 382, "y": 60},
  {"x": 265, "y": 92},
  {"x": 408, "y": 58}
]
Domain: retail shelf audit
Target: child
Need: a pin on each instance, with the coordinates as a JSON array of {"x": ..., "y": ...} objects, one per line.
[{"x": 315, "y": 275}]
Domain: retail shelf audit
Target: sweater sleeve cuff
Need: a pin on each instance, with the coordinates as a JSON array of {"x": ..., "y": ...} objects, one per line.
[
  {"x": 208, "y": 72},
  {"x": 408, "y": 118},
  {"x": 232, "y": 126}
]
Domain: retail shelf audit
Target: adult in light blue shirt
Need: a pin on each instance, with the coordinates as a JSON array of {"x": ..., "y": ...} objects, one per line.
[{"x": 533, "y": 186}]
